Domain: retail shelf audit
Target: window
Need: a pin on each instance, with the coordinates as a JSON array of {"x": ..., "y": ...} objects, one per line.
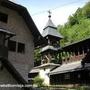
[
  {"x": 21, "y": 48},
  {"x": 12, "y": 45},
  {"x": 3, "y": 17}
]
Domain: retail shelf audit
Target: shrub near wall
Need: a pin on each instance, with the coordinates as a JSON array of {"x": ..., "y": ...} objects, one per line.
[{"x": 38, "y": 81}]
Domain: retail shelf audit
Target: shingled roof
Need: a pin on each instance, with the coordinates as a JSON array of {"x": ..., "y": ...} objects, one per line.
[
  {"x": 50, "y": 29},
  {"x": 73, "y": 66}
]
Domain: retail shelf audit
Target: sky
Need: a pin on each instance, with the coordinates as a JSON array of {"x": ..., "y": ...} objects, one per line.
[{"x": 60, "y": 9}]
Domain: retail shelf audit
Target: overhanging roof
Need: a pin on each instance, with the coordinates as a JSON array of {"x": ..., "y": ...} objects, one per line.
[
  {"x": 7, "y": 33},
  {"x": 34, "y": 70},
  {"x": 48, "y": 47},
  {"x": 51, "y": 30},
  {"x": 38, "y": 39},
  {"x": 67, "y": 68},
  {"x": 47, "y": 65},
  {"x": 78, "y": 44}
]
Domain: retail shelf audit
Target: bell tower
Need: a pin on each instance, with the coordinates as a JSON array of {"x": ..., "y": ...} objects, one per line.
[{"x": 50, "y": 50}]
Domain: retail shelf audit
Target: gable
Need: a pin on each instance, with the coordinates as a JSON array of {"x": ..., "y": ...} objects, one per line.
[{"x": 38, "y": 39}]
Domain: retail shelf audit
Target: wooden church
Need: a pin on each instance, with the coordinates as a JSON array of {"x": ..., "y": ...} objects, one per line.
[
  {"x": 49, "y": 52},
  {"x": 73, "y": 69}
]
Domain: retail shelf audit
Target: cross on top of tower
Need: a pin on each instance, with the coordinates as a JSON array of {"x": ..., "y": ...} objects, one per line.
[{"x": 49, "y": 14}]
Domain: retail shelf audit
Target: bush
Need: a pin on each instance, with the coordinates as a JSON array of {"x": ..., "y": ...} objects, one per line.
[{"x": 38, "y": 81}]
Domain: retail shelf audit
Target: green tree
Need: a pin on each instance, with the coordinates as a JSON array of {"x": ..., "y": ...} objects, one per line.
[
  {"x": 86, "y": 10},
  {"x": 73, "y": 20},
  {"x": 78, "y": 14},
  {"x": 77, "y": 27},
  {"x": 38, "y": 81},
  {"x": 37, "y": 57}
]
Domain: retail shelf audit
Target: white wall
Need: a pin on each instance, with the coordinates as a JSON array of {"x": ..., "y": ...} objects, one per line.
[{"x": 44, "y": 73}]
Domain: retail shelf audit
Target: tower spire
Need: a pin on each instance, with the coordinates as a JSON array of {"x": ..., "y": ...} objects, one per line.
[{"x": 49, "y": 14}]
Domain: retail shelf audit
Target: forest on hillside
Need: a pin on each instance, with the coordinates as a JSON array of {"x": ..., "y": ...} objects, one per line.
[{"x": 77, "y": 27}]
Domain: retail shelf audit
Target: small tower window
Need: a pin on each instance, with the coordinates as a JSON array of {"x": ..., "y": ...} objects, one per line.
[
  {"x": 21, "y": 48},
  {"x": 3, "y": 17},
  {"x": 12, "y": 45}
]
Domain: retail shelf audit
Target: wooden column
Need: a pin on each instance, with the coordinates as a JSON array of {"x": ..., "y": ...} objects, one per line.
[
  {"x": 60, "y": 59},
  {"x": 70, "y": 55},
  {"x": 78, "y": 54},
  {"x": 83, "y": 54},
  {"x": 65, "y": 56},
  {"x": 74, "y": 56}
]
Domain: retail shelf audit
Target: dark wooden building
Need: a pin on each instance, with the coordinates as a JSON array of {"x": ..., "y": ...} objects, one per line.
[{"x": 75, "y": 68}]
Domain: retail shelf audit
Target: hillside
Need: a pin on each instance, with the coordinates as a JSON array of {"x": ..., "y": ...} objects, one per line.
[{"x": 77, "y": 27}]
